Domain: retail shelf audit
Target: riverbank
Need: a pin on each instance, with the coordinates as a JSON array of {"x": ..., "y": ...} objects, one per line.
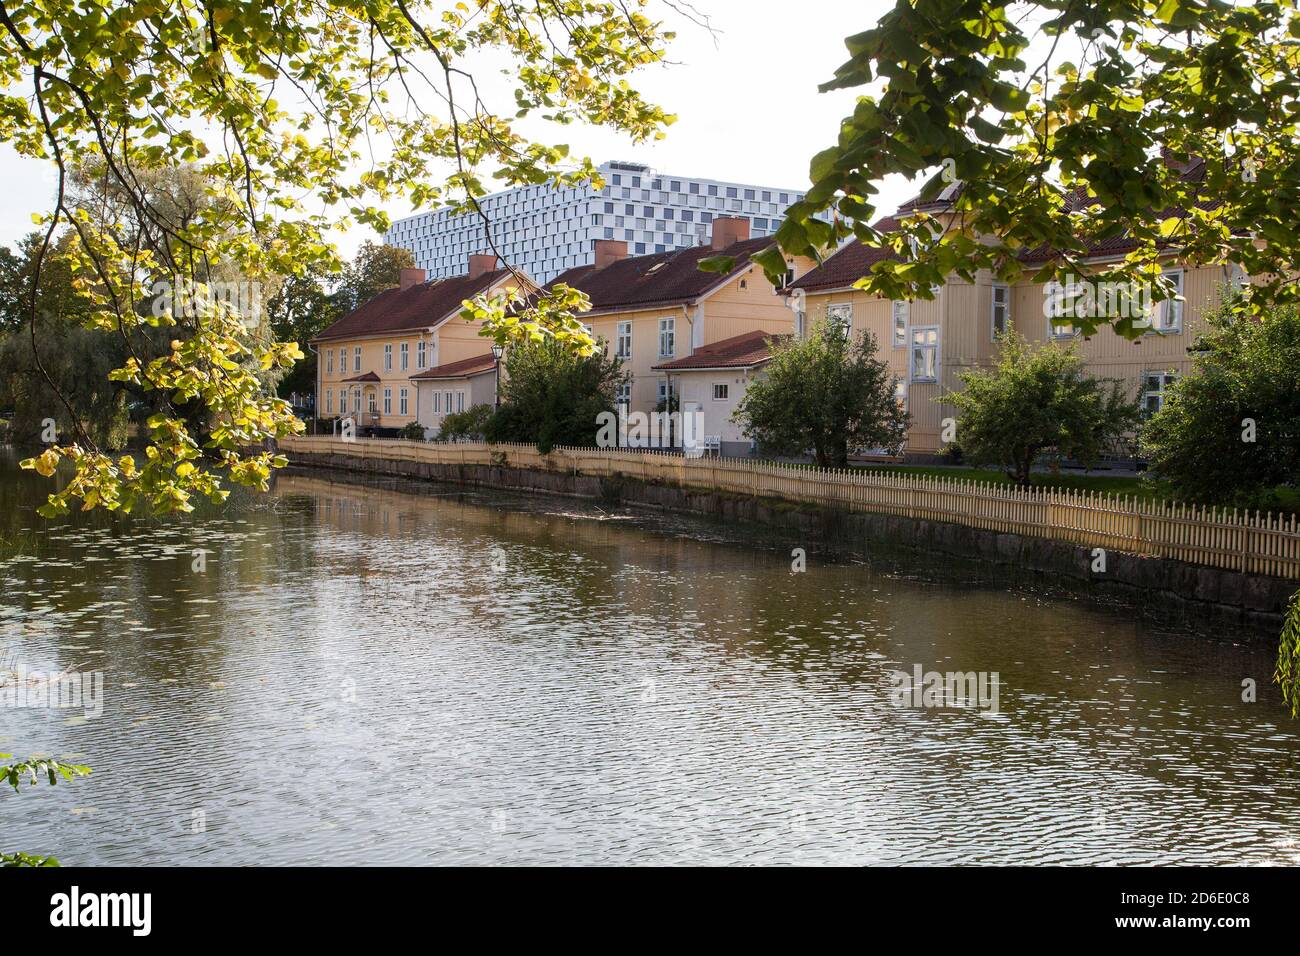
[{"x": 1252, "y": 601}]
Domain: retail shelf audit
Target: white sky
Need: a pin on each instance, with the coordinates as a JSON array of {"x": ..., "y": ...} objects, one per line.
[{"x": 746, "y": 100}]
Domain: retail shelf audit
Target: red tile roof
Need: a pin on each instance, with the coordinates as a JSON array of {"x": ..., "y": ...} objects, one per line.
[
  {"x": 465, "y": 368},
  {"x": 844, "y": 268},
  {"x": 740, "y": 351},
  {"x": 665, "y": 278},
  {"x": 417, "y": 307},
  {"x": 855, "y": 260}
]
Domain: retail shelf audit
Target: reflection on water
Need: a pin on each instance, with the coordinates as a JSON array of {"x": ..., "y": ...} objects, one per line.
[{"x": 366, "y": 675}]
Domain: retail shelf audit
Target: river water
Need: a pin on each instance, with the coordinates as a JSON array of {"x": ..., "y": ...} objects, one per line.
[{"x": 349, "y": 673}]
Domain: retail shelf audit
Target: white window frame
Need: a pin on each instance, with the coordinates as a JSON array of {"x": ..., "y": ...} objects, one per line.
[
  {"x": 329, "y": 399},
  {"x": 388, "y": 357},
  {"x": 370, "y": 402},
  {"x": 725, "y": 391},
  {"x": 623, "y": 395},
  {"x": 403, "y": 402},
  {"x": 421, "y": 354},
  {"x": 994, "y": 305},
  {"x": 446, "y": 401},
  {"x": 900, "y": 309},
  {"x": 404, "y": 351},
  {"x": 329, "y": 361},
  {"x": 460, "y": 402},
  {"x": 356, "y": 358},
  {"x": 623, "y": 340},
  {"x": 388, "y": 401},
  {"x": 356, "y": 401},
  {"x": 1166, "y": 378},
  {"x": 1168, "y": 318},
  {"x": 840, "y": 315},
  {"x": 912, "y": 350},
  {"x": 1055, "y": 303},
  {"x": 667, "y": 337},
  {"x": 437, "y": 402}
]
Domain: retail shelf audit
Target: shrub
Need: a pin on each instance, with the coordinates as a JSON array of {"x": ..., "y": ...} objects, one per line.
[{"x": 469, "y": 425}]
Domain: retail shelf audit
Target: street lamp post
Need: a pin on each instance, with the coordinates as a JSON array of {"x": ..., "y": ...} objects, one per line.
[{"x": 496, "y": 372}]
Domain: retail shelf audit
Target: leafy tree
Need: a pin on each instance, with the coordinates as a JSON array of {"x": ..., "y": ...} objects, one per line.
[
  {"x": 75, "y": 359},
  {"x": 955, "y": 93},
  {"x": 471, "y": 424},
  {"x": 411, "y": 431},
  {"x": 275, "y": 107},
  {"x": 551, "y": 395},
  {"x": 826, "y": 393},
  {"x": 299, "y": 310},
  {"x": 31, "y": 771},
  {"x": 1229, "y": 431},
  {"x": 1288, "y": 657},
  {"x": 1036, "y": 402},
  {"x": 14, "y": 282},
  {"x": 375, "y": 267}
]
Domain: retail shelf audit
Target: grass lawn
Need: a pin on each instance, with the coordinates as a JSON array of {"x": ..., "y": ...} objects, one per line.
[
  {"x": 1119, "y": 484},
  {"x": 1136, "y": 486}
]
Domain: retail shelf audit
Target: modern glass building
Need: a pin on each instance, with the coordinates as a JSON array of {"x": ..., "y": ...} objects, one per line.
[{"x": 545, "y": 230}]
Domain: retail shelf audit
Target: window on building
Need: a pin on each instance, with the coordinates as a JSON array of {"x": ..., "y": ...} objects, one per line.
[
  {"x": 1001, "y": 310},
  {"x": 356, "y": 359},
  {"x": 406, "y": 355},
  {"x": 900, "y": 394},
  {"x": 403, "y": 406},
  {"x": 720, "y": 390},
  {"x": 460, "y": 401},
  {"x": 623, "y": 340},
  {"x": 1169, "y": 313},
  {"x": 623, "y": 394},
  {"x": 1058, "y": 325},
  {"x": 388, "y": 358},
  {"x": 370, "y": 402},
  {"x": 446, "y": 403},
  {"x": 1154, "y": 385},
  {"x": 388, "y": 401},
  {"x": 664, "y": 390},
  {"x": 840, "y": 315},
  {"x": 421, "y": 354},
  {"x": 900, "y": 310},
  {"x": 1237, "y": 278},
  {"x": 329, "y": 361},
  {"x": 437, "y": 403},
  {"x": 925, "y": 354},
  {"x": 667, "y": 337},
  {"x": 329, "y": 399}
]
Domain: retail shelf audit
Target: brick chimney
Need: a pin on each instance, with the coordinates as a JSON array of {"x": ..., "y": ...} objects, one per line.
[
  {"x": 481, "y": 264},
  {"x": 409, "y": 277},
  {"x": 729, "y": 230},
  {"x": 608, "y": 251}
]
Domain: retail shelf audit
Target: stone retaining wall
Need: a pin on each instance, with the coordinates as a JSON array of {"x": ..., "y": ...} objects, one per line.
[{"x": 1255, "y": 601}]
